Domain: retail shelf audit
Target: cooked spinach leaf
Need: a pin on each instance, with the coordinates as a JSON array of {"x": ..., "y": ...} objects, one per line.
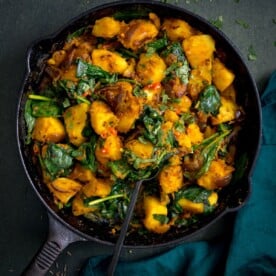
[
  {"x": 207, "y": 151},
  {"x": 156, "y": 45},
  {"x": 58, "y": 160},
  {"x": 209, "y": 100},
  {"x": 74, "y": 91},
  {"x": 29, "y": 119},
  {"x": 86, "y": 154},
  {"x": 46, "y": 109},
  {"x": 152, "y": 121},
  {"x": 75, "y": 34},
  {"x": 88, "y": 70},
  {"x": 163, "y": 219},
  {"x": 119, "y": 168},
  {"x": 176, "y": 50},
  {"x": 180, "y": 67},
  {"x": 194, "y": 194}
]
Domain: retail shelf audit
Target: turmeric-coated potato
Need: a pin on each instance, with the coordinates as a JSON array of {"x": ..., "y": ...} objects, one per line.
[
  {"x": 141, "y": 150},
  {"x": 182, "y": 105},
  {"x": 106, "y": 27},
  {"x": 79, "y": 208},
  {"x": 109, "y": 149},
  {"x": 75, "y": 119},
  {"x": 64, "y": 188},
  {"x": 222, "y": 76},
  {"x": 81, "y": 174},
  {"x": 103, "y": 120},
  {"x": 69, "y": 74},
  {"x": 199, "y": 48},
  {"x": 97, "y": 187},
  {"x": 109, "y": 61},
  {"x": 151, "y": 69},
  {"x": 154, "y": 208},
  {"x": 123, "y": 103},
  {"x": 190, "y": 206},
  {"x": 48, "y": 129},
  {"x": 227, "y": 111},
  {"x": 177, "y": 29},
  {"x": 218, "y": 175},
  {"x": 137, "y": 33},
  {"x": 184, "y": 142},
  {"x": 194, "y": 133},
  {"x": 200, "y": 77},
  {"x": 171, "y": 178}
]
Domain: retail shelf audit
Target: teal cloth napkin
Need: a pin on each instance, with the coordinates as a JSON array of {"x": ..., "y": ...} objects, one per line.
[{"x": 252, "y": 250}]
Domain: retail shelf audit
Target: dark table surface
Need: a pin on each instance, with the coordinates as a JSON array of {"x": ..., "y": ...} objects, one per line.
[{"x": 24, "y": 222}]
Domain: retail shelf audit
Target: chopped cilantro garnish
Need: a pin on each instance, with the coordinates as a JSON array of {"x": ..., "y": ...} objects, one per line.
[{"x": 251, "y": 54}]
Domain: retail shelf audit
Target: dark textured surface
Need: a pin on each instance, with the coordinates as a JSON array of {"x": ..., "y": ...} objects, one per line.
[{"x": 24, "y": 221}]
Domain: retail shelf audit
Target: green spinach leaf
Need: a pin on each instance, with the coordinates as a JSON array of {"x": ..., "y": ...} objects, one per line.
[
  {"x": 152, "y": 121},
  {"x": 29, "y": 119},
  {"x": 209, "y": 100},
  {"x": 207, "y": 150},
  {"x": 163, "y": 219},
  {"x": 88, "y": 70},
  {"x": 58, "y": 160},
  {"x": 86, "y": 154},
  {"x": 45, "y": 109},
  {"x": 156, "y": 45}
]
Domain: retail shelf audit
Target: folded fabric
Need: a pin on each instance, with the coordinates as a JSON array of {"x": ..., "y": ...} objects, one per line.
[{"x": 252, "y": 250}]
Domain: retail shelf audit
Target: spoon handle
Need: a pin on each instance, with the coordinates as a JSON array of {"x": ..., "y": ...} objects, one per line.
[{"x": 120, "y": 241}]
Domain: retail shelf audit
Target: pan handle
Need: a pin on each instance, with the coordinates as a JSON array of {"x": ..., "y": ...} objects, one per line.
[{"x": 58, "y": 239}]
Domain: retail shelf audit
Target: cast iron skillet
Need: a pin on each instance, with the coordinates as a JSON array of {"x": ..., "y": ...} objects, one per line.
[{"x": 64, "y": 228}]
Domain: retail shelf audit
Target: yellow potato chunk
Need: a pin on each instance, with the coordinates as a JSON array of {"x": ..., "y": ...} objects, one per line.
[
  {"x": 171, "y": 116},
  {"x": 75, "y": 119},
  {"x": 218, "y": 175},
  {"x": 152, "y": 93},
  {"x": 137, "y": 33},
  {"x": 79, "y": 208},
  {"x": 199, "y": 48},
  {"x": 106, "y": 27},
  {"x": 222, "y": 76},
  {"x": 103, "y": 120},
  {"x": 194, "y": 133},
  {"x": 48, "y": 129},
  {"x": 190, "y": 206},
  {"x": 81, "y": 174},
  {"x": 69, "y": 74},
  {"x": 109, "y": 61},
  {"x": 57, "y": 58},
  {"x": 128, "y": 108},
  {"x": 227, "y": 112},
  {"x": 213, "y": 198},
  {"x": 200, "y": 77},
  {"x": 171, "y": 178},
  {"x": 177, "y": 29},
  {"x": 150, "y": 69},
  {"x": 141, "y": 150},
  {"x": 197, "y": 207},
  {"x": 152, "y": 206},
  {"x": 64, "y": 188},
  {"x": 97, "y": 187},
  {"x": 184, "y": 142},
  {"x": 109, "y": 149},
  {"x": 182, "y": 105}
]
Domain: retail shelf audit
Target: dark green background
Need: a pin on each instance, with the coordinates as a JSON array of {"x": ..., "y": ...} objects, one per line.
[{"x": 24, "y": 224}]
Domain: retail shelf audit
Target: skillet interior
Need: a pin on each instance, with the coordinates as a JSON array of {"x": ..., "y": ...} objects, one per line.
[{"x": 231, "y": 198}]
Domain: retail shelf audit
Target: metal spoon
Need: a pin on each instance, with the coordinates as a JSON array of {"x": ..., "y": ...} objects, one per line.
[{"x": 123, "y": 231}]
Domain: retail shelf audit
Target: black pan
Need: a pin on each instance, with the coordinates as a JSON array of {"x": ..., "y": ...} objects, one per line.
[{"x": 64, "y": 227}]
